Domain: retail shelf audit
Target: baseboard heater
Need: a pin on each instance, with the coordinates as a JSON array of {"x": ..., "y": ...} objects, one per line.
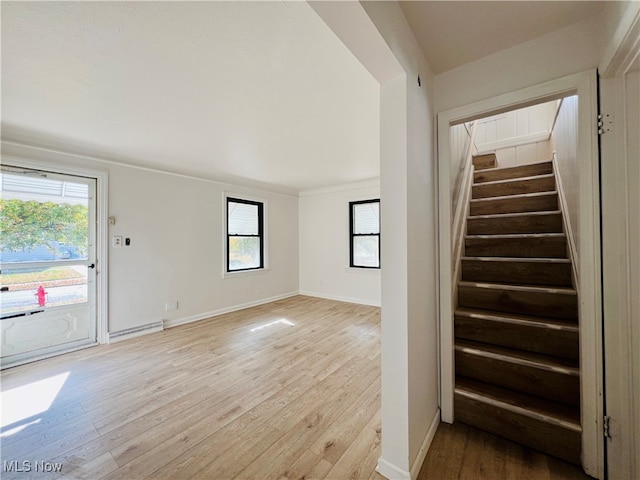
[{"x": 134, "y": 331}]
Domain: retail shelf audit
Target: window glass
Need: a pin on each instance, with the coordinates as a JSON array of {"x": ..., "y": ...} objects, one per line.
[
  {"x": 245, "y": 249},
  {"x": 366, "y": 217},
  {"x": 365, "y": 234}
]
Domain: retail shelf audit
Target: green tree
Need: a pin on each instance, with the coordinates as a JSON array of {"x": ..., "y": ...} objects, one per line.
[{"x": 25, "y": 225}]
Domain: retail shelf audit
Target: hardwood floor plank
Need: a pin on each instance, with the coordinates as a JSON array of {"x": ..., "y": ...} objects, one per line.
[
  {"x": 361, "y": 455},
  {"x": 332, "y": 444},
  {"x": 459, "y": 452},
  {"x": 236, "y": 435}
]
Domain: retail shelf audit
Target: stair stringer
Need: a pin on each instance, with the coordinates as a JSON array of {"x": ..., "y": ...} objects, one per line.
[
  {"x": 460, "y": 215},
  {"x": 566, "y": 221}
]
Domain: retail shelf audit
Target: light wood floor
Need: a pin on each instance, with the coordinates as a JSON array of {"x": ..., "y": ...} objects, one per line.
[
  {"x": 245, "y": 395},
  {"x": 286, "y": 390},
  {"x": 461, "y": 452}
]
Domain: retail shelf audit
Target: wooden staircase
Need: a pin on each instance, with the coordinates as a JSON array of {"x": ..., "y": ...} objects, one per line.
[{"x": 516, "y": 325}]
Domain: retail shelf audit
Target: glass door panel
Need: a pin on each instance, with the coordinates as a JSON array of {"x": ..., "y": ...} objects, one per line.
[{"x": 47, "y": 258}]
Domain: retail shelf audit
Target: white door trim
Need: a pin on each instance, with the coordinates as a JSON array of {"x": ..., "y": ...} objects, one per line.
[
  {"x": 583, "y": 84},
  {"x": 102, "y": 209}
]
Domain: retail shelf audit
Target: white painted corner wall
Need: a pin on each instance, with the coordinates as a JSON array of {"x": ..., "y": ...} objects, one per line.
[
  {"x": 379, "y": 37},
  {"x": 409, "y": 292},
  {"x": 324, "y": 245},
  {"x": 177, "y": 230}
]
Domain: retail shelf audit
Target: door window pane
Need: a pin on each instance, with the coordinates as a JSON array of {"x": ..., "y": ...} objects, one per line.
[
  {"x": 28, "y": 289},
  {"x": 43, "y": 220}
]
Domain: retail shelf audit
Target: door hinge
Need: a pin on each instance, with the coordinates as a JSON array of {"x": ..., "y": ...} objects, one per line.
[
  {"x": 605, "y": 123},
  {"x": 606, "y": 426}
]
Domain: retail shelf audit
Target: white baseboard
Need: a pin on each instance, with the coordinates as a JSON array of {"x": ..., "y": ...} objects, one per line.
[
  {"x": 393, "y": 472},
  {"x": 133, "y": 332},
  {"x": 214, "y": 313},
  {"x": 390, "y": 471},
  {"x": 340, "y": 298},
  {"x": 422, "y": 453}
]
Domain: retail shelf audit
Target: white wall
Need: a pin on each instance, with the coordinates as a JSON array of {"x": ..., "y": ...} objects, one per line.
[
  {"x": 524, "y": 154},
  {"x": 176, "y": 228},
  {"x": 564, "y": 140},
  {"x": 576, "y": 48},
  {"x": 515, "y": 126},
  {"x": 379, "y": 37},
  {"x": 518, "y": 137},
  {"x": 415, "y": 229},
  {"x": 324, "y": 245}
]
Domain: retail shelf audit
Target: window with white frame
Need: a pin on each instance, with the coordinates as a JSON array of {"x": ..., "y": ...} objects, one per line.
[
  {"x": 364, "y": 233},
  {"x": 245, "y": 235}
]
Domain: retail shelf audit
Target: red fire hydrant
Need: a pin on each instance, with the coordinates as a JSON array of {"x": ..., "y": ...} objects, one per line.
[{"x": 41, "y": 295}]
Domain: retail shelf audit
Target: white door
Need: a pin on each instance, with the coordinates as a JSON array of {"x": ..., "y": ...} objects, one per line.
[
  {"x": 47, "y": 259},
  {"x": 620, "y": 96}
]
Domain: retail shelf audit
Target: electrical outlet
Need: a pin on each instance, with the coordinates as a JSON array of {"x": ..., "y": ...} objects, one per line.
[
  {"x": 171, "y": 306},
  {"x": 117, "y": 241}
]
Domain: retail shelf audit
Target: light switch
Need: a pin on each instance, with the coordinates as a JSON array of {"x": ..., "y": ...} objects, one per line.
[{"x": 117, "y": 241}]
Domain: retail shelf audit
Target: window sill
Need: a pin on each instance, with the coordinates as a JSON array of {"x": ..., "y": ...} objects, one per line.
[
  {"x": 367, "y": 271},
  {"x": 245, "y": 273}
]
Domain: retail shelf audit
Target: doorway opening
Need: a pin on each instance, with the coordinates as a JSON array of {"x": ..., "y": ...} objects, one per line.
[{"x": 575, "y": 179}]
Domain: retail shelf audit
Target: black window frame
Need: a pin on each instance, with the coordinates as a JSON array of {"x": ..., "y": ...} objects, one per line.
[
  {"x": 352, "y": 235},
  {"x": 260, "y": 234}
]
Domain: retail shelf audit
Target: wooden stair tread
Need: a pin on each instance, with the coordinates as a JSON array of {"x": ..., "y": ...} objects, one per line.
[
  {"x": 516, "y": 196},
  {"x": 502, "y": 173},
  {"x": 484, "y": 162},
  {"x": 530, "y": 359},
  {"x": 511, "y": 180},
  {"x": 506, "y": 216},
  {"x": 516, "y": 259},
  {"x": 518, "y": 235},
  {"x": 532, "y": 221},
  {"x": 516, "y": 167},
  {"x": 495, "y": 169},
  {"x": 528, "y": 320},
  {"x": 509, "y": 245},
  {"x": 539, "y": 408},
  {"x": 546, "y": 201},
  {"x": 547, "y": 336},
  {"x": 519, "y": 288}
]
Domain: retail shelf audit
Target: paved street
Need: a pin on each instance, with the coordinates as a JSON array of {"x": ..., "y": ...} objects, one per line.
[{"x": 25, "y": 300}]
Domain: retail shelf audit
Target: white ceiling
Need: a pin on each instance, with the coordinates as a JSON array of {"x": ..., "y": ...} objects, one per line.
[
  {"x": 452, "y": 33},
  {"x": 260, "y": 91}
]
